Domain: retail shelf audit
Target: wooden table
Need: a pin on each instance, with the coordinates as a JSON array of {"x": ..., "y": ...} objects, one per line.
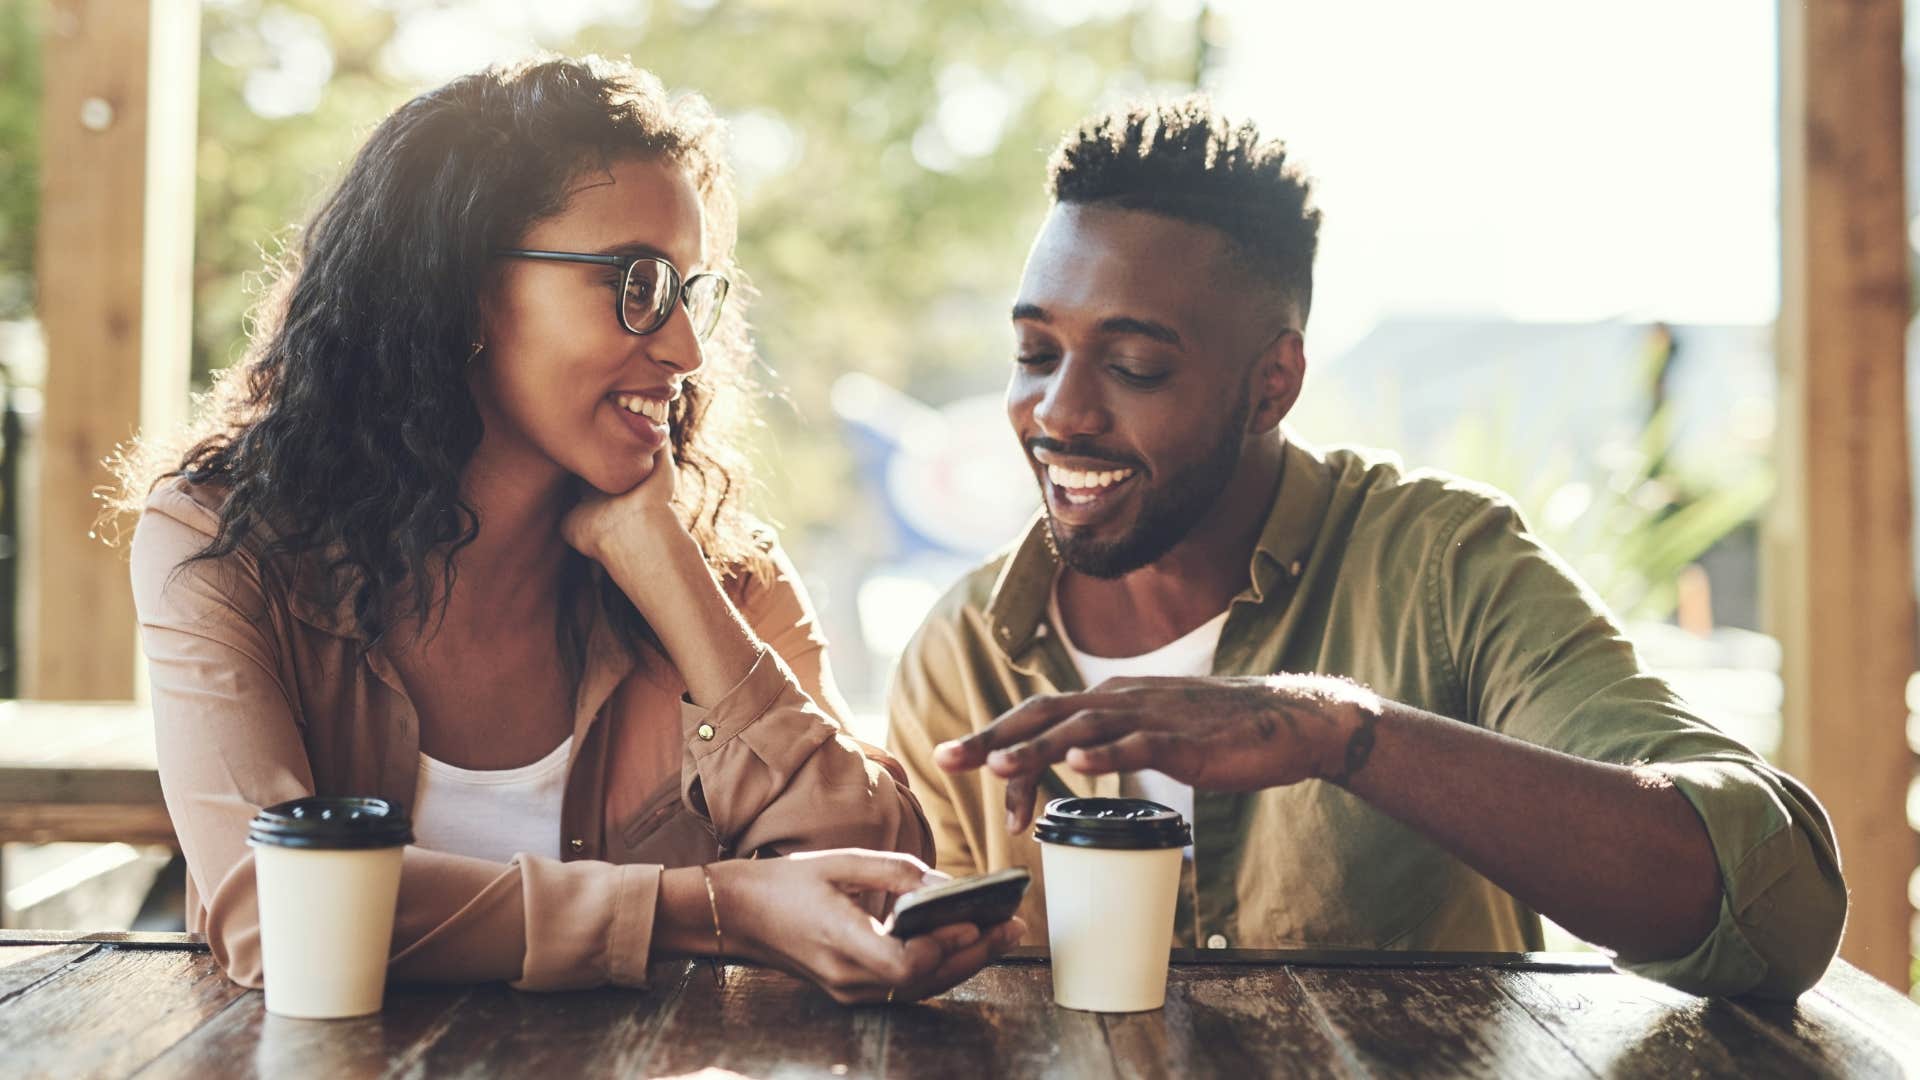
[{"x": 113, "y": 1004}]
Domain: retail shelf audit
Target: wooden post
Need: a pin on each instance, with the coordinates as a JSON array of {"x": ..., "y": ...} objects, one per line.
[
  {"x": 1844, "y": 599},
  {"x": 115, "y": 262}
]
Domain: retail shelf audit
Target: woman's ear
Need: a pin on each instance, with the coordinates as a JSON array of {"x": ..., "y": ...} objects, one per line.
[{"x": 1276, "y": 376}]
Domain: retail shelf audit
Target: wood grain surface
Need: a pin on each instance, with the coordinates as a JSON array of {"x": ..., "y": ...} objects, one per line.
[{"x": 156, "y": 1005}]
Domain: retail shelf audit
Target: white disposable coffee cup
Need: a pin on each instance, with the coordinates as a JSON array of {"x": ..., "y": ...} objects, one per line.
[
  {"x": 327, "y": 871},
  {"x": 1112, "y": 874}
]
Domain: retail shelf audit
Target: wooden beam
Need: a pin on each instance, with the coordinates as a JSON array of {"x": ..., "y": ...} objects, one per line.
[
  {"x": 1844, "y": 599},
  {"x": 115, "y": 259}
]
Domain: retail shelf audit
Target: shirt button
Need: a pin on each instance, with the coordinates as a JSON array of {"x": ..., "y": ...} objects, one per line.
[
  {"x": 577, "y": 844},
  {"x": 1217, "y": 941},
  {"x": 705, "y": 731}
]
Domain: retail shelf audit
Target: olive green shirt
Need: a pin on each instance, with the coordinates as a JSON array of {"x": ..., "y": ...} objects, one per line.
[{"x": 1430, "y": 591}]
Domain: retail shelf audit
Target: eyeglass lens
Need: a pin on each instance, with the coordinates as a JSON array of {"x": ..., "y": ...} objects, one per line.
[{"x": 652, "y": 288}]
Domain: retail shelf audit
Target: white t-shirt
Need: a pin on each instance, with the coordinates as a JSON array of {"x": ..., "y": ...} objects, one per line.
[
  {"x": 1189, "y": 655},
  {"x": 491, "y": 814}
]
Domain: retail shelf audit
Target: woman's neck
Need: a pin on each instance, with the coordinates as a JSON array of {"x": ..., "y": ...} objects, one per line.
[{"x": 512, "y": 568}]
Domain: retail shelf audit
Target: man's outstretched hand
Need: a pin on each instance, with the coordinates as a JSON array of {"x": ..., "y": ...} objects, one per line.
[{"x": 1217, "y": 734}]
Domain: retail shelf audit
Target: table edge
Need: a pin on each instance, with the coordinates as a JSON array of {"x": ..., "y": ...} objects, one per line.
[{"x": 1368, "y": 958}]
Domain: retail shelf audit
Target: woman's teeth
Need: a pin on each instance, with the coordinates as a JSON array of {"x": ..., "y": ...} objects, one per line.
[
  {"x": 652, "y": 408},
  {"x": 1081, "y": 486}
]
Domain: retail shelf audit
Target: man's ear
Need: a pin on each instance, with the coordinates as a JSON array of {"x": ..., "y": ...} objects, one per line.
[{"x": 1275, "y": 379}]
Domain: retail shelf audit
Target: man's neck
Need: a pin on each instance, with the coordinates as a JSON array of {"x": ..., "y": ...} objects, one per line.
[{"x": 1193, "y": 582}]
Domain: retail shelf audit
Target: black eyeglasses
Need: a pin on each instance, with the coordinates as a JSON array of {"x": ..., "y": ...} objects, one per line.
[{"x": 649, "y": 288}]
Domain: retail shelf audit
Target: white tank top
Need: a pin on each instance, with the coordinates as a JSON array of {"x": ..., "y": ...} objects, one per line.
[
  {"x": 1189, "y": 655},
  {"x": 491, "y": 814}
]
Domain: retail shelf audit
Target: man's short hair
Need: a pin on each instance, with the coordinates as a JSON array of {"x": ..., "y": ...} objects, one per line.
[{"x": 1184, "y": 160}]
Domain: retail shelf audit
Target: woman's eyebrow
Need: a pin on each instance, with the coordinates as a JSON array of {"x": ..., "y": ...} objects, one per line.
[{"x": 636, "y": 250}]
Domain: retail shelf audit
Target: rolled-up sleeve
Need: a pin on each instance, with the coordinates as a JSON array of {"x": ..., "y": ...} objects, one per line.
[
  {"x": 771, "y": 764},
  {"x": 1782, "y": 902},
  {"x": 1534, "y": 654},
  {"x": 775, "y": 603},
  {"x": 229, "y": 742}
]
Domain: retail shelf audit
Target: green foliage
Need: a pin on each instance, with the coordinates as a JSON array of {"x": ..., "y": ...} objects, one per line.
[
  {"x": 1629, "y": 531},
  {"x": 1657, "y": 512},
  {"x": 259, "y": 175},
  {"x": 1631, "y": 534},
  {"x": 19, "y": 152}
]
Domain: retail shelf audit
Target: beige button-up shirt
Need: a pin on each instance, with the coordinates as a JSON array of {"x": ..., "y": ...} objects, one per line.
[
  {"x": 261, "y": 695},
  {"x": 1430, "y": 591}
]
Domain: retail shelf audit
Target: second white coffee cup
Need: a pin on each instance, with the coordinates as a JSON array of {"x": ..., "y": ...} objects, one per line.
[
  {"x": 1112, "y": 876},
  {"x": 327, "y": 870}
]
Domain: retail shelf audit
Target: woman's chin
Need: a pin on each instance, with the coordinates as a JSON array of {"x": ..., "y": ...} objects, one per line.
[{"x": 618, "y": 479}]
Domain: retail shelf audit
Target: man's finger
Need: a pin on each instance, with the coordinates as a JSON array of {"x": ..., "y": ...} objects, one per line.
[
  {"x": 1114, "y": 683},
  {"x": 1021, "y": 791},
  {"x": 1084, "y": 728},
  {"x": 1162, "y": 751},
  {"x": 1015, "y": 725}
]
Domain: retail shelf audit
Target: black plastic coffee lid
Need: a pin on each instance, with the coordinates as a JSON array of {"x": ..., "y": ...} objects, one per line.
[
  {"x": 334, "y": 822},
  {"x": 1127, "y": 824}
]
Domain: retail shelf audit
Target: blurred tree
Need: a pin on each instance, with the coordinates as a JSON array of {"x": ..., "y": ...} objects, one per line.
[{"x": 288, "y": 88}]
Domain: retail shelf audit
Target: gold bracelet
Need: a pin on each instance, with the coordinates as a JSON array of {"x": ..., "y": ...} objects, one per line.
[{"x": 713, "y": 905}]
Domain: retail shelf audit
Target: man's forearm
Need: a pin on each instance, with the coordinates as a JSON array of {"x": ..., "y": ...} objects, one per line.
[{"x": 1613, "y": 854}]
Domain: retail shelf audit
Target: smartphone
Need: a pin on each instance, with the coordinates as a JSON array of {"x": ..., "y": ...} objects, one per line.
[{"x": 986, "y": 900}]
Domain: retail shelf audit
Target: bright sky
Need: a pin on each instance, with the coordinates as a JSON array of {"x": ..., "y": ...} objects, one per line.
[{"x": 1523, "y": 158}]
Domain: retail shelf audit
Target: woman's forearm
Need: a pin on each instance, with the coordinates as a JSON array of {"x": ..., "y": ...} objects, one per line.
[{"x": 667, "y": 579}]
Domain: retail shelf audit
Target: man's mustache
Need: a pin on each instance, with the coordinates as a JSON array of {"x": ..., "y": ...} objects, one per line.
[{"x": 1080, "y": 450}]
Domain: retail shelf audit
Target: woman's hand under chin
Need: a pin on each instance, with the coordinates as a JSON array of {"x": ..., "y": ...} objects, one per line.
[
  {"x": 604, "y": 527},
  {"x": 652, "y": 556}
]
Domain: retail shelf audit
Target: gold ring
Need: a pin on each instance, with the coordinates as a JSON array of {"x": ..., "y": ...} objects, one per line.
[{"x": 890, "y": 995}]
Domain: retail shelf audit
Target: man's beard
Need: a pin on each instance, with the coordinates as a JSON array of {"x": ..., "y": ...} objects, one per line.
[{"x": 1168, "y": 512}]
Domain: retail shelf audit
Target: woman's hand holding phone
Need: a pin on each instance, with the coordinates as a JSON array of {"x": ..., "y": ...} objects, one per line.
[{"x": 801, "y": 913}]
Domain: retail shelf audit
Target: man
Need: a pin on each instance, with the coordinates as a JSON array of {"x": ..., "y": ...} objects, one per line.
[{"x": 1394, "y": 718}]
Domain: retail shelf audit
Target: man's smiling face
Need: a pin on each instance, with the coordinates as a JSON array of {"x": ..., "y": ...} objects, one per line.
[{"x": 1131, "y": 390}]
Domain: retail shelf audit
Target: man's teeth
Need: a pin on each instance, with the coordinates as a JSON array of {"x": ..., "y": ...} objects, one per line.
[
  {"x": 652, "y": 408},
  {"x": 1079, "y": 480}
]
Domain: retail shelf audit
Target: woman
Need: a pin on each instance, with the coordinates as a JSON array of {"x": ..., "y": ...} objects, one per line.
[{"x": 460, "y": 533}]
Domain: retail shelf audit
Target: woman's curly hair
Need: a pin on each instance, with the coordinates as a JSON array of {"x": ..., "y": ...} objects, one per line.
[{"x": 345, "y": 431}]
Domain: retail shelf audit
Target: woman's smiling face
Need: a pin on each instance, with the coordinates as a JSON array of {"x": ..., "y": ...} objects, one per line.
[{"x": 561, "y": 378}]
